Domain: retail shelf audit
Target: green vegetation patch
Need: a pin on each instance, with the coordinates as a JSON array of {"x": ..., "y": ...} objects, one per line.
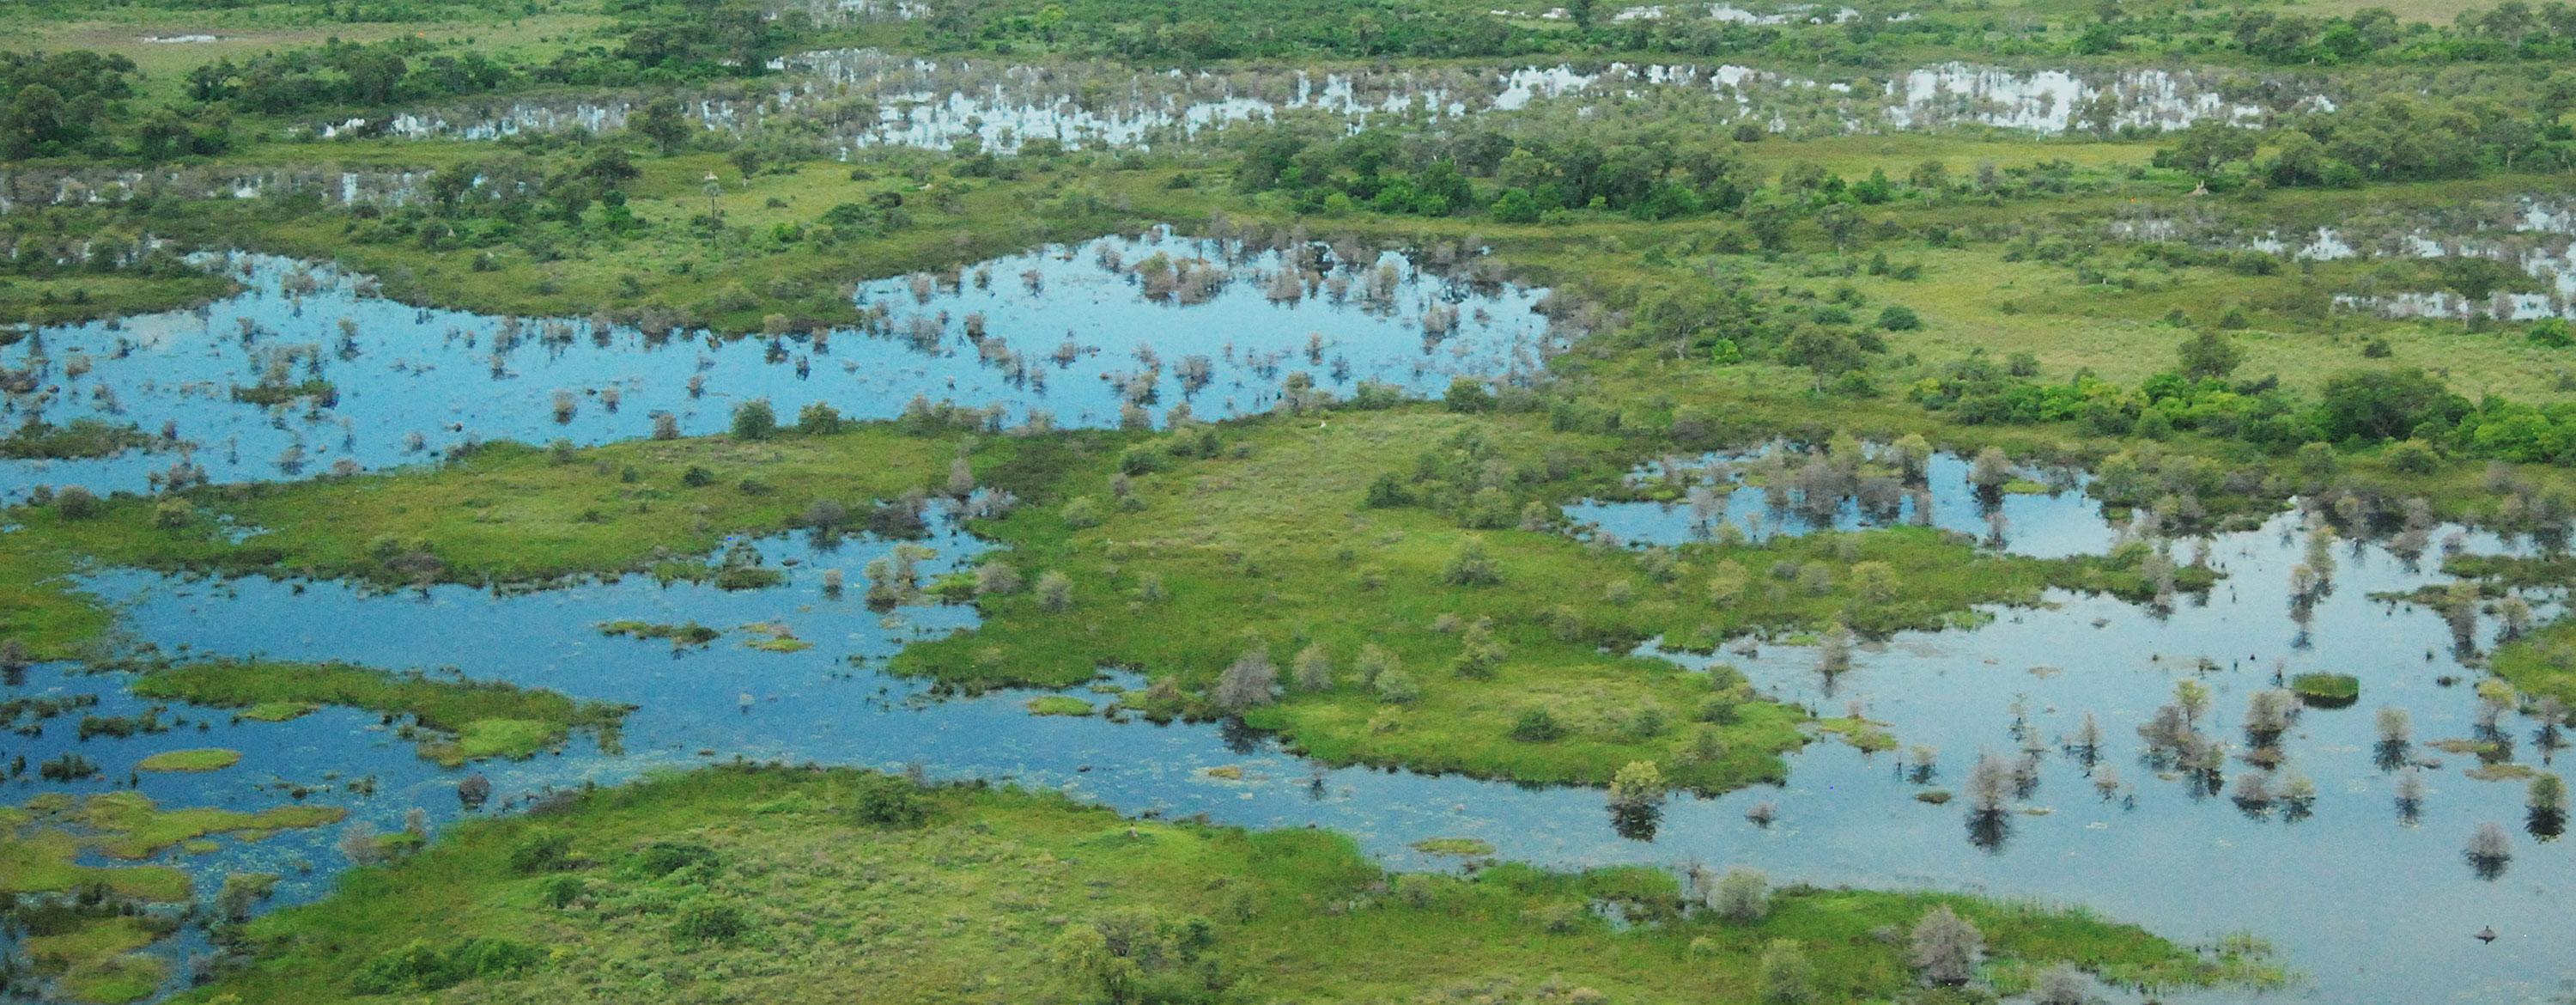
[
  {"x": 42, "y": 860},
  {"x": 689, "y": 634},
  {"x": 277, "y": 711},
  {"x": 457, "y": 720},
  {"x": 1059, "y": 704},
  {"x": 718, "y": 867},
  {"x": 95, "y": 960},
  {"x": 507, "y": 513},
  {"x": 2540, "y": 663},
  {"x": 2326, "y": 690},
  {"x": 130, "y": 825},
  {"x": 1393, "y": 586},
  {"x": 208, "y": 759},
  {"x": 1455, "y": 847},
  {"x": 80, "y": 438}
]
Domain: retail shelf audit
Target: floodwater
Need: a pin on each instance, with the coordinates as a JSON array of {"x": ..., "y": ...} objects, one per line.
[
  {"x": 2038, "y": 524},
  {"x": 1075, "y": 332},
  {"x": 2533, "y": 234},
  {"x": 859, "y": 98},
  {"x": 2368, "y": 902}
]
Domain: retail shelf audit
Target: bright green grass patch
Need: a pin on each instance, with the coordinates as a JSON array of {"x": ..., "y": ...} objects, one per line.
[
  {"x": 2327, "y": 690},
  {"x": 41, "y": 860},
  {"x": 277, "y": 711},
  {"x": 464, "y": 720},
  {"x": 482, "y": 738},
  {"x": 774, "y": 637},
  {"x": 690, "y": 634},
  {"x": 972, "y": 901},
  {"x": 1457, "y": 847},
  {"x": 130, "y": 825},
  {"x": 208, "y": 759},
  {"x": 1059, "y": 704},
  {"x": 95, "y": 961},
  {"x": 2541, "y": 663},
  {"x": 1862, "y": 734}
]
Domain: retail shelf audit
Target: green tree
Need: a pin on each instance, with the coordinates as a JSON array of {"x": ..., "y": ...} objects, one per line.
[
  {"x": 754, "y": 420},
  {"x": 662, "y": 122},
  {"x": 2210, "y": 353}
]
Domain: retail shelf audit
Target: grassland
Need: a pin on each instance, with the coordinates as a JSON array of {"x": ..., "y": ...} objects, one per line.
[
  {"x": 205, "y": 759},
  {"x": 795, "y": 885},
  {"x": 454, "y": 720},
  {"x": 2542, "y": 663},
  {"x": 1267, "y": 542}
]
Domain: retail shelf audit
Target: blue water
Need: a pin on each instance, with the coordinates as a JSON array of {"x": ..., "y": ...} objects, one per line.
[
  {"x": 413, "y": 382},
  {"x": 2369, "y": 906}
]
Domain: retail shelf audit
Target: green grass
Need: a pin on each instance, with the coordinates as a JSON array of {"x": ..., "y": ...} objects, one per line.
[
  {"x": 691, "y": 634},
  {"x": 1059, "y": 704},
  {"x": 2541, "y": 663},
  {"x": 965, "y": 906},
  {"x": 65, "y": 299},
  {"x": 1456, "y": 847},
  {"x": 209, "y": 759},
  {"x": 95, "y": 961},
  {"x": 1271, "y": 547},
  {"x": 42, "y": 860},
  {"x": 458, "y": 720},
  {"x": 2327, "y": 690},
  {"x": 277, "y": 711},
  {"x": 129, "y": 825}
]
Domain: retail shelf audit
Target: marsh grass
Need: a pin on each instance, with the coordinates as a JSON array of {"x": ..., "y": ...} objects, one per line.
[
  {"x": 790, "y": 864},
  {"x": 459, "y": 720}
]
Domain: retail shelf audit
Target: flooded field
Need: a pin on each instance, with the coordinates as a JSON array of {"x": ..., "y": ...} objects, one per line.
[
  {"x": 2346, "y": 848},
  {"x": 865, "y": 98},
  {"x": 307, "y": 373}
]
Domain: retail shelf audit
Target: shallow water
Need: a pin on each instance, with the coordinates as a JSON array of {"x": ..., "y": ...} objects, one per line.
[
  {"x": 2054, "y": 524},
  {"x": 2534, "y": 234},
  {"x": 2370, "y": 907},
  {"x": 860, "y": 98},
  {"x": 1066, "y": 332},
  {"x": 2362, "y": 903}
]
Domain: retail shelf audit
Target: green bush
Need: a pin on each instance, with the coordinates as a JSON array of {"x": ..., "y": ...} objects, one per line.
[
  {"x": 1537, "y": 725},
  {"x": 420, "y": 967},
  {"x": 662, "y": 858},
  {"x": 712, "y": 921},
  {"x": 816, "y": 419},
  {"x": 76, "y": 503},
  {"x": 1467, "y": 394},
  {"x": 1899, "y": 318},
  {"x": 2412, "y": 457},
  {"x": 754, "y": 420},
  {"x": 887, "y": 801},
  {"x": 542, "y": 853}
]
